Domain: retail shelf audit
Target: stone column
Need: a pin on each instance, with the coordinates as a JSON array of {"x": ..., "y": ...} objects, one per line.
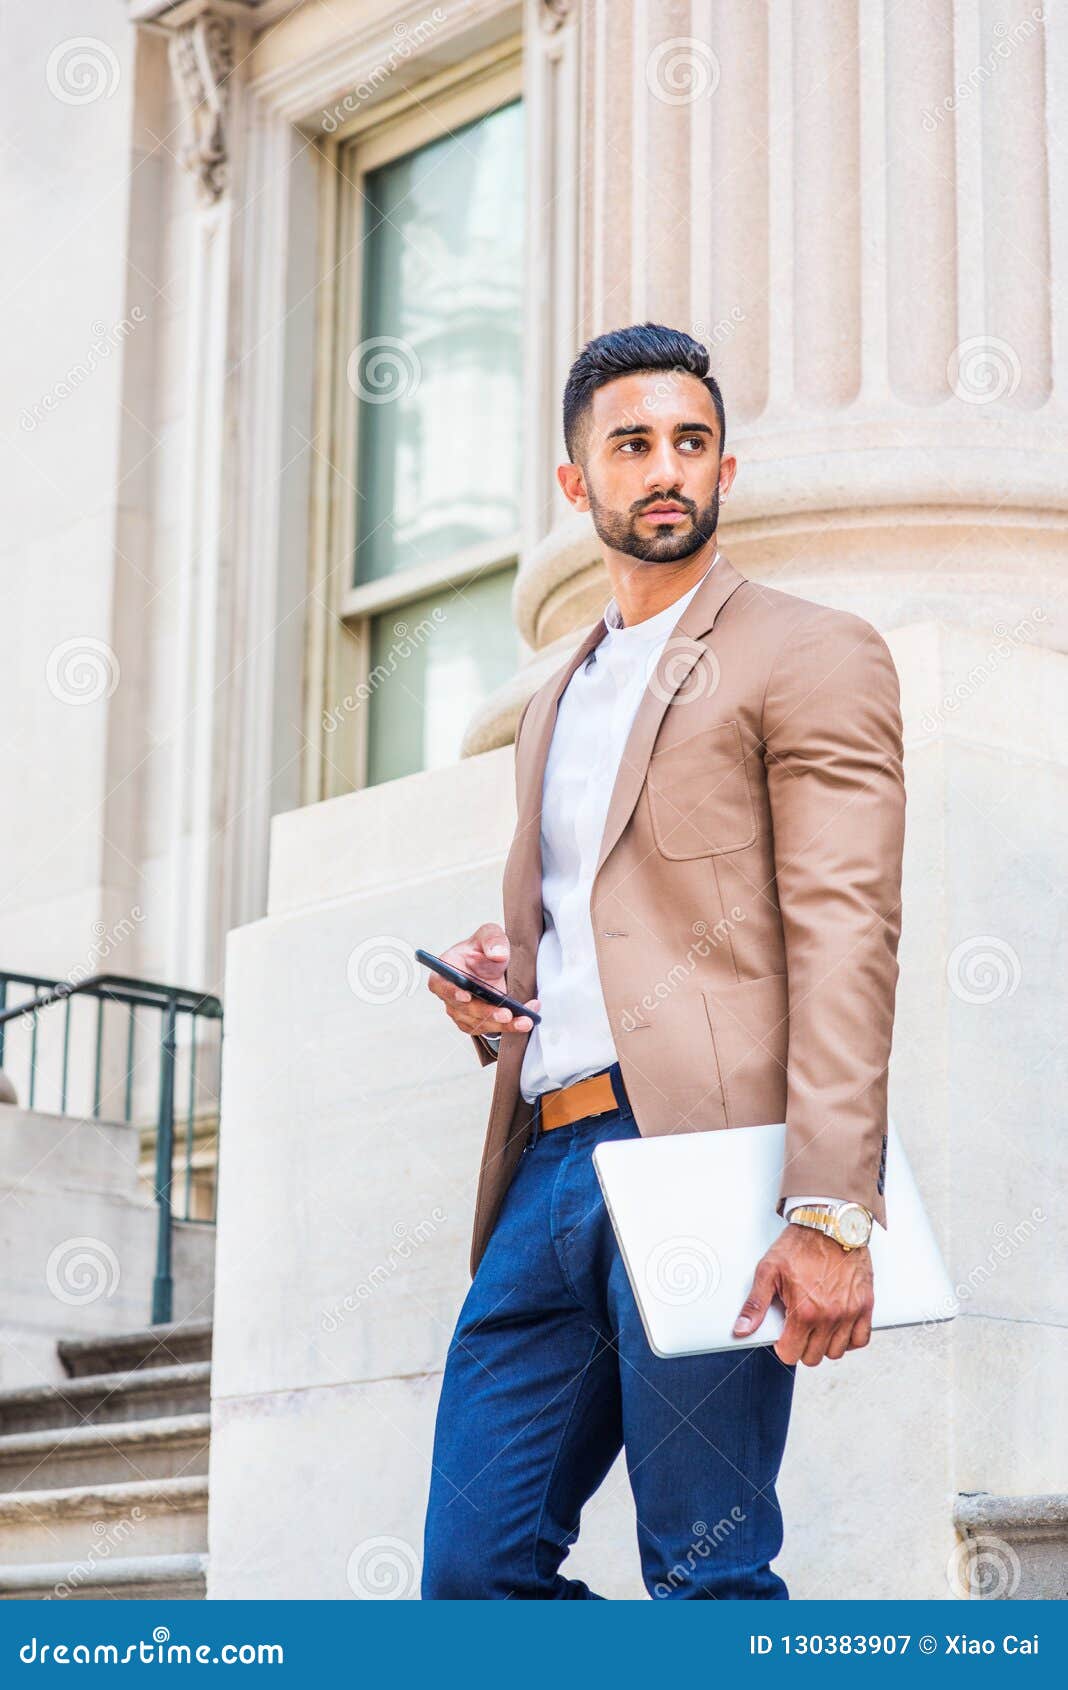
[
  {"x": 863, "y": 211},
  {"x": 860, "y": 211}
]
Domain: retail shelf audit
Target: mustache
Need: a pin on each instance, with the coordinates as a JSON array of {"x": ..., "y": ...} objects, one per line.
[{"x": 688, "y": 505}]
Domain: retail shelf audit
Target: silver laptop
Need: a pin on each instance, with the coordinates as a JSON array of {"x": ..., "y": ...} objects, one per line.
[{"x": 694, "y": 1212}]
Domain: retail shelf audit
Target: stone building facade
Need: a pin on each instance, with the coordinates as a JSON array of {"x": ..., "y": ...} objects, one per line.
[{"x": 308, "y": 280}]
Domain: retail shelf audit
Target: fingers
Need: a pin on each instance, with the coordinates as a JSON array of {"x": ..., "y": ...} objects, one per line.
[
  {"x": 503, "y": 1021},
  {"x": 812, "y": 1340},
  {"x": 445, "y": 990},
  {"x": 861, "y": 1333},
  {"x": 793, "y": 1341},
  {"x": 803, "y": 1320},
  {"x": 523, "y": 1023},
  {"x": 755, "y": 1307},
  {"x": 839, "y": 1340},
  {"x": 816, "y": 1345},
  {"x": 488, "y": 951},
  {"x": 471, "y": 1015},
  {"x": 485, "y": 956},
  {"x": 828, "y": 1296}
]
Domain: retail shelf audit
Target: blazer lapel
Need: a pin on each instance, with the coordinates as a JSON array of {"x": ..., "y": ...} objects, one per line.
[
  {"x": 522, "y": 875},
  {"x": 680, "y": 652},
  {"x": 523, "y": 871}
]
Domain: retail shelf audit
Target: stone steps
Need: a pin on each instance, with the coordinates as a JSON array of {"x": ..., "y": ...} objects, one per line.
[
  {"x": 114, "y": 1578},
  {"x": 84, "y": 1525},
  {"x": 104, "y": 1474},
  {"x": 151, "y": 1346},
  {"x": 106, "y": 1398},
  {"x": 171, "y": 1446}
]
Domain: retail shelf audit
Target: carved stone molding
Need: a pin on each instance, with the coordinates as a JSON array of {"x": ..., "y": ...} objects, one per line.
[
  {"x": 554, "y": 14},
  {"x": 202, "y": 59},
  {"x": 1014, "y": 1547}
]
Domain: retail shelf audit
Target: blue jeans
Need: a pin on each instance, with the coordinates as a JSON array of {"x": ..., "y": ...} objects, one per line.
[{"x": 549, "y": 1375}]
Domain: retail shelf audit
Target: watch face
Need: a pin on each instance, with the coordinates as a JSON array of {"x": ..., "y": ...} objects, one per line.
[{"x": 853, "y": 1224}]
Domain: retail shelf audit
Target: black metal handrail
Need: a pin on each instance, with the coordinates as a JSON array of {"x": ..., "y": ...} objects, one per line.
[{"x": 172, "y": 1002}]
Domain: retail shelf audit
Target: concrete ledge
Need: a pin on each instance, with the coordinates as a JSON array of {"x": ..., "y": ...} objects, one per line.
[
  {"x": 164, "y": 1345},
  {"x": 169, "y": 1447},
  {"x": 135, "y": 1577},
  {"x": 147, "y": 1393},
  {"x": 1016, "y": 1547},
  {"x": 98, "y": 1502}
]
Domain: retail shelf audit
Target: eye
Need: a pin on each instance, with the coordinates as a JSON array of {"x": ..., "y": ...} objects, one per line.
[
  {"x": 691, "y": 443},
  {"x": 632, "y": 446}
]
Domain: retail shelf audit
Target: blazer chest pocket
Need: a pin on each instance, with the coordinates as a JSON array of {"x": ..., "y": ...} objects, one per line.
[{"x": 700, "y": 803}]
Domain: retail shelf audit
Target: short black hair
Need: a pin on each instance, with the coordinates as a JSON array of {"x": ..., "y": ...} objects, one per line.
[{"x": 626, "y": 352}]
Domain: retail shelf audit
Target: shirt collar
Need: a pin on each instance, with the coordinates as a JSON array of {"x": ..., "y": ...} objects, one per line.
[{"x": 653, "y": 627}]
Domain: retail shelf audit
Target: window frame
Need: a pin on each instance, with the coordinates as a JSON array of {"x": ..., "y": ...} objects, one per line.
[{"x": 416, "y": 118}]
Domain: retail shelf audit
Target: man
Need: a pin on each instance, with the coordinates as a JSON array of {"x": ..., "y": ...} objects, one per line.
[{"x": 703, "y": 892}]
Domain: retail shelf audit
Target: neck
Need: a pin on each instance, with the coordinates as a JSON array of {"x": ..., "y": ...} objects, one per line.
[{"x": 643, "y": 589}]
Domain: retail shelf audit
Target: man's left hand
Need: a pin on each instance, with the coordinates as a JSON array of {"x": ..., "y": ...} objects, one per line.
[{"x": 827, "y": 1292}]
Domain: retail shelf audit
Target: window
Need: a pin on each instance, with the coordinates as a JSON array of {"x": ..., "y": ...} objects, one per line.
[{"x": 431, "y": 402}]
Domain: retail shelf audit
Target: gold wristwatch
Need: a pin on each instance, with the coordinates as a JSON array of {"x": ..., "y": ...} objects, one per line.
[{"x": 849, "y": 1224}]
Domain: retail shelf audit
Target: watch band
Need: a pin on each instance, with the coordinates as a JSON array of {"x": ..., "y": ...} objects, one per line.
[{"x": 824, "y": 1217}]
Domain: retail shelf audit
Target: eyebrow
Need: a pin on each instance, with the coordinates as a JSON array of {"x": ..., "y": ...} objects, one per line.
[{"x": 627, "y": 429}]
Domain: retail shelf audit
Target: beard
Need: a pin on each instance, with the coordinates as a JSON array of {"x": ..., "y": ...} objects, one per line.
[{"x": 619, "y": 529}]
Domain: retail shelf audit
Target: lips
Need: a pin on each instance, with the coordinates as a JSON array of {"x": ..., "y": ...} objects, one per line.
[{"x": 664, "y": 515}]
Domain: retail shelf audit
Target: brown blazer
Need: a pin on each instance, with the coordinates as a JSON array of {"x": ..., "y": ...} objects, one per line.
[{"x": 747, "y": 901}]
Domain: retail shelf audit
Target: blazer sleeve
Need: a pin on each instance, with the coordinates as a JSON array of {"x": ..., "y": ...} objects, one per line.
[
  {"x": 833, "y": 753},
  {"x": 484, "y": 1054}
]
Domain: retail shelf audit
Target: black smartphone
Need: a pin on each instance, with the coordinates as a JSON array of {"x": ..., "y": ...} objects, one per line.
[{"x": 477, "y": 988}]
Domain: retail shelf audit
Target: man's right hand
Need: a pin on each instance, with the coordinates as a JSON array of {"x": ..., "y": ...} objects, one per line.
[{"x": 485, "y": 955}]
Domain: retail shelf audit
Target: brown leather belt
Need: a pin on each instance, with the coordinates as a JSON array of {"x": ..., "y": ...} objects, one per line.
[{"x": 592, "y": 1096}]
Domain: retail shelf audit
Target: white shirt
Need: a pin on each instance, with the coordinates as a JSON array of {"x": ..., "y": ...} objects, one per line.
[{"x": 594, "y": 718}]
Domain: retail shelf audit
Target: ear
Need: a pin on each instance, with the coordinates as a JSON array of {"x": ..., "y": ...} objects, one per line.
[{"x": 573, "y": 482}]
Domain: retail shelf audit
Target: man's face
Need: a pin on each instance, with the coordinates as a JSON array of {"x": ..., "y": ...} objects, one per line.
[{"x": 651, "y": 466}]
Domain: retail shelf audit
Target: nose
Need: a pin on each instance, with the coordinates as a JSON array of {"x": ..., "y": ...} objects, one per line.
[{"x": 661, "y": 469}]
